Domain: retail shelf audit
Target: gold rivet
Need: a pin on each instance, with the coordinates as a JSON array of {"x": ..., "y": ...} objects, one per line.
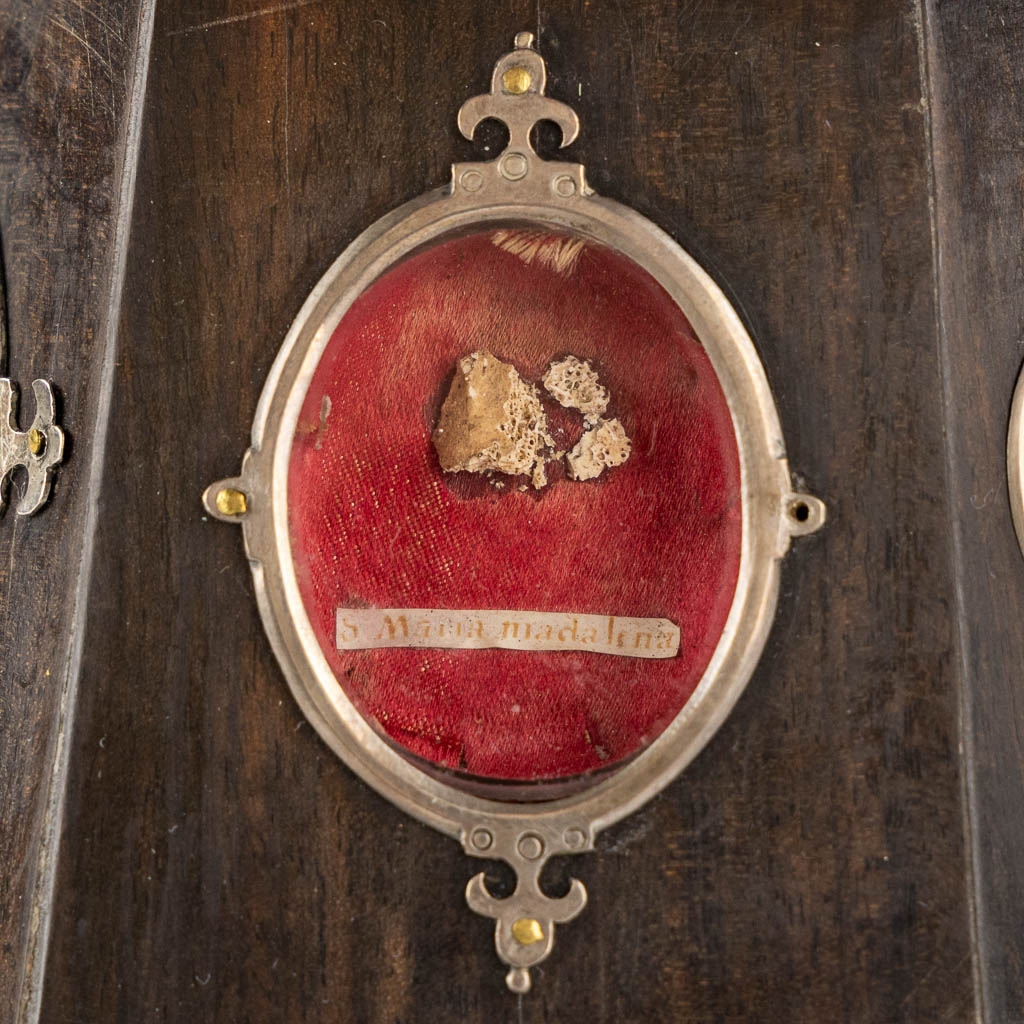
[
  {"x": 527, "y": 931},
  {"x": 231, "y": 502},
  {"x": 516, "y": 80},
  {"x": 36, "y": 441}
]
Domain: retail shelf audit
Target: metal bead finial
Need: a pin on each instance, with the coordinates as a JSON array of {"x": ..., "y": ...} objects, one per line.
[{"x": 518, "y": 980}]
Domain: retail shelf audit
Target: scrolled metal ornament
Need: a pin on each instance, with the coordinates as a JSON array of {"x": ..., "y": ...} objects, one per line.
[
  {"x": 515, "y": 503},
  {"x": 39, "y": 449}
]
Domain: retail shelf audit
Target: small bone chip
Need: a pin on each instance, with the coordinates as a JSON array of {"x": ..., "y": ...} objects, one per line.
[
  {"x": 603, "y": 445},
  {"x": 492, "y": 421},
  {"x": 575, "y": 385}
]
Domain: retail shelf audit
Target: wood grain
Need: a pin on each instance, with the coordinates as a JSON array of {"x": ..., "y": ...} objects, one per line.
[
  {"x": 65, "y": 74},
  {"x": 219, "y": 864},
  {"x": 977, "y": 83}
]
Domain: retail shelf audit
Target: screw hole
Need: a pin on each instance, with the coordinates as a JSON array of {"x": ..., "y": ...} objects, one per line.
[{"x": 800, "y": 512}]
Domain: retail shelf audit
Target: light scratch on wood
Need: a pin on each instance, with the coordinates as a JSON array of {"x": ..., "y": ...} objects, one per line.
[
  {"x": 263, "y": 12},
  {"x": 287, "y": 75},
  {"x": 85, "y": 9},
  {"x": 89, "y": 48}
]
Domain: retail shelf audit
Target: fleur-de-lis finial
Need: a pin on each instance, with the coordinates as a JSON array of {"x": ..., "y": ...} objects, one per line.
[
  {"x": 517, "y": 99},
  {"x": 524, "y": 923},
  {"x": 40, "y": 448}
]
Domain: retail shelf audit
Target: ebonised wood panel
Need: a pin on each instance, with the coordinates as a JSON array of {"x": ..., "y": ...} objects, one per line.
[
  {"x": 976, "y": 82},
  {"x": 67, "y": 71},
  {"x": 218, "y": 864}
]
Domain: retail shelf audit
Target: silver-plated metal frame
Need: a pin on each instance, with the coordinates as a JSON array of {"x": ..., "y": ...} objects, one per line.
[
  {"x": 552, "y": 195},
  {"x": 1015, "y": 459}
]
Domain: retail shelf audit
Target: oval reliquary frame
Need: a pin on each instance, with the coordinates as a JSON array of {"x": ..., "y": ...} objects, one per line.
[{"x": 523, "y": 828}]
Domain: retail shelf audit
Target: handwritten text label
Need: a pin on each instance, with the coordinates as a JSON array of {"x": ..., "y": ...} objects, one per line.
[{"x": 364, "y": 628}]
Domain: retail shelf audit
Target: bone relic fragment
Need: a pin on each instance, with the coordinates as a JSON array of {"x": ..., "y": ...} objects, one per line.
[
  {"x": 492, "y": 421},
  {"x": 574, "y": 385},
  {"x": 603, "y": 445}
]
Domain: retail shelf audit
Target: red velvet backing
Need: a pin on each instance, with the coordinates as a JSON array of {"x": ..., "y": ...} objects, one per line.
[{"x": 375, "y": 522}]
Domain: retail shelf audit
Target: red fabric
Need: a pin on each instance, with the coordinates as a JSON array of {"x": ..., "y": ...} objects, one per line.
[{"x": 376, "y": 523}]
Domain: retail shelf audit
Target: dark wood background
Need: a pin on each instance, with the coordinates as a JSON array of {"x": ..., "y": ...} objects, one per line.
[{"x": 177, "y": 845}]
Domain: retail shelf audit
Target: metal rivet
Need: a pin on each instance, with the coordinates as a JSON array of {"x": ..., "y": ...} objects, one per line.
[
  {"x": 527, "y": 930},
  {"x": 517, "y": 80},
  {"x": 36, "y": 441},
  {"x": 513, "y": 166},
  {"x": 471, "y": 181},
  {"x": 524, "y": 40},
  {"x": 481, "y": 839},
  {"x": 574, "y": 838},
  {"x": 565, "y": 186},
  {"x": 530, "y": 846},
  {"x": 230, "y": 502}
]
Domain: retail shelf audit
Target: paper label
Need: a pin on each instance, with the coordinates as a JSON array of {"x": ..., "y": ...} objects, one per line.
[{"x": 365, "y": 628}]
